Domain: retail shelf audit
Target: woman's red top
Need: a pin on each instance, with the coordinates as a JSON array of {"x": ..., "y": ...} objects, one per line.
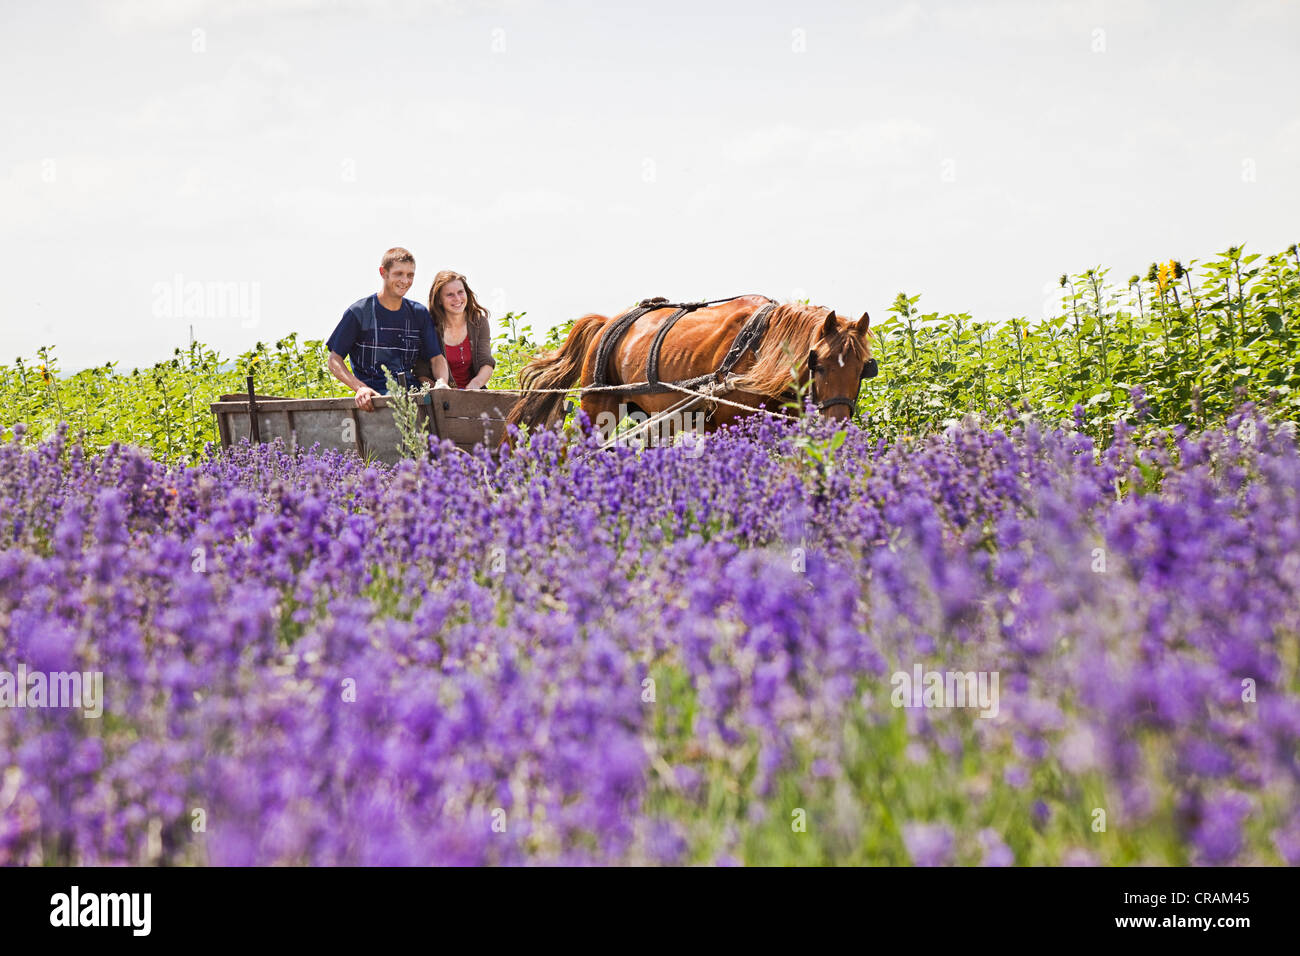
[{"x": 459, "y": 358}]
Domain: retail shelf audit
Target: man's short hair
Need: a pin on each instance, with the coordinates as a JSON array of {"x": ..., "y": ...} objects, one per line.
[{"x": 395, "y": 255}]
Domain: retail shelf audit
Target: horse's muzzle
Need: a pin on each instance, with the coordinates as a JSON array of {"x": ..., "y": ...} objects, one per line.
[{"x": 869, "y": 370}]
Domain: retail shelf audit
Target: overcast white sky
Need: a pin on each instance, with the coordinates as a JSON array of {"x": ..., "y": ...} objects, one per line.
[{"x": 571, "y": 157}]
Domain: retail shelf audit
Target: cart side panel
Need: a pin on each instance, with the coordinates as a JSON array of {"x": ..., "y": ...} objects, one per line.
[
  {"x": 471, "y": 418},
  {"x": 274, "y": 423},
  {"x": 332, "y": 428},
  {"x": 378, "y": 434},
  {"x": 466, "y": 418},
  {"x": 235, "y": 425},
  {"x": 223, "y": 428}
]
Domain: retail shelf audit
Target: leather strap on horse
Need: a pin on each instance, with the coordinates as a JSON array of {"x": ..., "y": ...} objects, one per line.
[
  {"x": 652, "y": 361},
  {"x": 749, "y": 339},
  {"x": 613, "y": 333},
  {"x": 750, "y": 336}
]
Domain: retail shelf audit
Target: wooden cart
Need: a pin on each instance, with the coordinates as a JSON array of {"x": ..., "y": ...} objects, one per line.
[{"x": 467, "y": 418}]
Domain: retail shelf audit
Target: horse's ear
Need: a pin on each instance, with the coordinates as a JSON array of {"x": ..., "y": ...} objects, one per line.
[
  {"x": 831, "y": 325},
  {"x": 812, "y": 360},
  {"x": 863, "y": 324}
]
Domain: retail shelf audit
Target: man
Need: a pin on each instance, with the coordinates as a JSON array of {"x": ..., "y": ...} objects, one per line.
[{"x": 386, "y": 329}]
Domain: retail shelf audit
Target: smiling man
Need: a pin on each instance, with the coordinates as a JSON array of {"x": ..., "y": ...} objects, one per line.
[{"x": 385, "y": 329}]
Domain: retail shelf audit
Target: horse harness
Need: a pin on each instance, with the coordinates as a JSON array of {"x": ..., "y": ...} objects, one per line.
[{"x": 748, "y": 339}]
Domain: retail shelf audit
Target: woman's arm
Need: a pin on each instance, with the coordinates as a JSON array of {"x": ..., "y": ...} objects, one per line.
[
  {"x": 482, "y": 356},
  {"x": 441, "y": 371}
]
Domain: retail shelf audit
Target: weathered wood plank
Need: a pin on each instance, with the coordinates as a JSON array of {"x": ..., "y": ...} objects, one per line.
[
  {"x": 473, "y": 431},
  {"x": 300, "y": 404},
  {"x": 223, "y": 429},
  {"x": 472, "y": 417},
  {"x": 356, "y": 431},
  {"x": 273, "y": 423},
  {"x": 332, "y": 429},
  {"x": 461, "y": 401},
  {"x": 243, "y": 397},
  {"x": 379, "y": 437}
]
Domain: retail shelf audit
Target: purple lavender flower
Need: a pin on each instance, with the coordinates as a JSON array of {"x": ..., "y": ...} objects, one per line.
[
  {"x": 1078, "y": 856},
  {"x": 1218, "y": 837},
  {"x": 1137, "y": 395},
  {"x": 337, "y": 689},
  {"x": 996, "y": 852},
  {"x": 928, "y": 844}
]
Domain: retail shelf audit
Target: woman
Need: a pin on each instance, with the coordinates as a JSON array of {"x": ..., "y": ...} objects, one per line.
[{"x": 462, "y": 326}]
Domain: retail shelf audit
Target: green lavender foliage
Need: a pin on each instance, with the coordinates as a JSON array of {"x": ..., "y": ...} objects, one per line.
[{"x": 413, "y": 436}]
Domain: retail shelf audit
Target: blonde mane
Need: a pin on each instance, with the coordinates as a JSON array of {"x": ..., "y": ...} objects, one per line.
[{"x": 792, "y": 332}]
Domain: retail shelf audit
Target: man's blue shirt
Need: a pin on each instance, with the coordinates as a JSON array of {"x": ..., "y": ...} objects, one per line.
[{"x": 372, "y": 336}]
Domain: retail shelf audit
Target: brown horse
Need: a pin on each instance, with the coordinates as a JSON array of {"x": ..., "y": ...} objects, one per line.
[{"x": 801, "y": 344}]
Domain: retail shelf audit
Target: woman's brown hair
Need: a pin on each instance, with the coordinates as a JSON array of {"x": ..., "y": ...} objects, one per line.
[{"x": 474, "y": 313}]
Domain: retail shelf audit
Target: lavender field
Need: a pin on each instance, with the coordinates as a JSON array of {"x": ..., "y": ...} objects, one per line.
[{"x": 664, "y": 656}]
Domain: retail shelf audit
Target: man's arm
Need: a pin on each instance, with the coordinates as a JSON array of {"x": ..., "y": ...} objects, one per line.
[
  {"x": 364, "y": 393},
  {"x": 340, "y": 343}
]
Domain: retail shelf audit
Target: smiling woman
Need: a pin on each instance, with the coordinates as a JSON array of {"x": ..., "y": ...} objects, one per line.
[{"x": 463, "y": 330}]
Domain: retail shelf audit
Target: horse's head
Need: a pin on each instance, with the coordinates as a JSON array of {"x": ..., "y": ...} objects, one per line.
[{"x": 838, "y": 362}]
